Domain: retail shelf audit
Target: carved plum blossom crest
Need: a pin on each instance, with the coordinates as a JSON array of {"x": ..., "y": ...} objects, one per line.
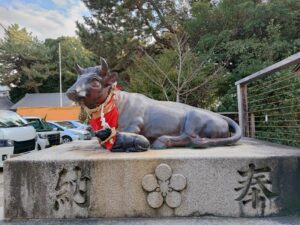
[{"x": 163, "y": 186}]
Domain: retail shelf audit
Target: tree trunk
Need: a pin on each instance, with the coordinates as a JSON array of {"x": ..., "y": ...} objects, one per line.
[
  {"x": 177, "y": 97},
  {"x": 36, "y": 89}
]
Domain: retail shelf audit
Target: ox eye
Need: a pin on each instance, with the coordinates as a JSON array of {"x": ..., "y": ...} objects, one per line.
[{"x": 95, "y": 82}]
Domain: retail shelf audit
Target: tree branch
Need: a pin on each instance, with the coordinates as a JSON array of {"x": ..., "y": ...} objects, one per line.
[
  {"x": 159, "y": 69},
  {"x": 160, "y": 85},
  {"x": 203, "y": 83}
]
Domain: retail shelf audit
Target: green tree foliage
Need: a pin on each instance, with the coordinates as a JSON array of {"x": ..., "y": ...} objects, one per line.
[
  {"x": 116, "y": 27},
  {"x": 23, "y": 61},
  {"x": 29, "y": 65},
  {"x": 248, "y": 34},
  {"x": 176, "y": 74}
]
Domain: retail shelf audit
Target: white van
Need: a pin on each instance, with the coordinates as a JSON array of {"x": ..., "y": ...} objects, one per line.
[{"x": 16, "y": 136}]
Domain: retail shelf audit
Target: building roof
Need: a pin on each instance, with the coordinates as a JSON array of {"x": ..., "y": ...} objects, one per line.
[
  {"x": 4, "y": 88},
  {"x": 43, "y": 99},
  {"x": 5, "y": 103}
]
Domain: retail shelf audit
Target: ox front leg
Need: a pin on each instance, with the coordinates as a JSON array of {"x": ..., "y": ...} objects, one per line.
[
  {"x": 129, "y": 142},
  {"x": 133, "y": 129},
  {"x": 170, "y": 141},
  {"x": 135, "y": 126}
]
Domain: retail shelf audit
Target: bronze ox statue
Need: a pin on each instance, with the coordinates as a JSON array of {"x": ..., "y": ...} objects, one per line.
[{"x": 143, "y": 121}]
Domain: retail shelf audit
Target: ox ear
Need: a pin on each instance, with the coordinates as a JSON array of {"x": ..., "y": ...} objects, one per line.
[
  {"x": 79, "y": 69},
  {"x": 104, "y": 67},
  {"x": 110, "y": 79}
]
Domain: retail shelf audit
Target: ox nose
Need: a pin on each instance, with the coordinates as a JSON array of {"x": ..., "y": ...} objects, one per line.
[
  {"x": 76, "y": 92},
  {"x": 71, "y": 94}
]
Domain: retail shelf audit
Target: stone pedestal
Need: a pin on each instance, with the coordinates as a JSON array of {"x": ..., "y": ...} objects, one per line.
[{"x": 79, "y": 180}]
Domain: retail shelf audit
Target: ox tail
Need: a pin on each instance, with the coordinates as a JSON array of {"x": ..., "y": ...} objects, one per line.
[{"x": 209, "y": 142}]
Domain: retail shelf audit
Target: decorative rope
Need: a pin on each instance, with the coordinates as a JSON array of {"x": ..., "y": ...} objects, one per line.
[{"x": 85, "y": 114}]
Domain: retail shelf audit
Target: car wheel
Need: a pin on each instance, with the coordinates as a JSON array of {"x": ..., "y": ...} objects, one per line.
[
  {"x": 66, "y": 139},
  {"x": 39, "y": 147}
]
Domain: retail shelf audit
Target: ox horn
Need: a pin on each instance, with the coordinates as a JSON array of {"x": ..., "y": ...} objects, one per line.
[
  {"x": 104, "y": 67},
  {"x": 79, "y": 69}
]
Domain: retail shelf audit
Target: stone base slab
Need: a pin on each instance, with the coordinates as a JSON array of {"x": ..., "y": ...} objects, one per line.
[{"x": 80, "y": 180}]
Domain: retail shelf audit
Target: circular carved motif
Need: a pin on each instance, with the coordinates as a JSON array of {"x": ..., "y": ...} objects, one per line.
[
  {"x": 163, "y": 186},
  {"x": 155, "y": 199},
  {"x": 178, "y": 182},
  {"x": 173, "y": 199},
  {"x": 149, "y": 182},
  {"x": 163, "y": 172}
]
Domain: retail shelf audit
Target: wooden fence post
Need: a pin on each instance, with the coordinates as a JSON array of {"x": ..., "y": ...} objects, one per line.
[
  {"x": 243, "y": 109},
  {"x": 252, "y": 125}
]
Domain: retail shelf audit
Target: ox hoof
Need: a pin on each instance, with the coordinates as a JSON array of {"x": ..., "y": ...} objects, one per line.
[
  {"x": 141, "y": 143},
  {"x": 162, "y": 143},
  {"x": 103, "y": 134},
  {"x": 128, "y": 142},
  {"x": 158, "y": 145}
]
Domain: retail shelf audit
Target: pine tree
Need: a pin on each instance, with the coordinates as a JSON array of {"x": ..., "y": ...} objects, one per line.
[
  {"x": 23, "y": 60},
  {"x": 116, "y": 27}
]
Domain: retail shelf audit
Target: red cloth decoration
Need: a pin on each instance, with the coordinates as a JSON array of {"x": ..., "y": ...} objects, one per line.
[{"x": 111, "y": 116}]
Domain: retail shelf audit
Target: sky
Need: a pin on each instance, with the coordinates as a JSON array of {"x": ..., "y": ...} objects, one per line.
[{"x": 44, "y": 18}]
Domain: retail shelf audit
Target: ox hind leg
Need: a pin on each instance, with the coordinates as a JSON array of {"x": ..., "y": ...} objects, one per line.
[
  {"x": 196, "y": 133},
  {"x": 204, "y": 131},
  {"x": 166, "y": 141},
  {"x": 188, "y": 133}
]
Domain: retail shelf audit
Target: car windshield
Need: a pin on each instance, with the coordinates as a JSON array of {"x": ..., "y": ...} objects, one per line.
[
  {"x": 39, "y": 124},
  {"x": 66, "y": 124},
  {"x": 11, "y": 119},
  {"x": 76, "y": 123},
  {"x": 53, "y": 126}
]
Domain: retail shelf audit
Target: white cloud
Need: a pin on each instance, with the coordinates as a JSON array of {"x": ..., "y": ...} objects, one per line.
[
  {"x": 41, "y": 22},
  {"x": 60, "y": 2}
]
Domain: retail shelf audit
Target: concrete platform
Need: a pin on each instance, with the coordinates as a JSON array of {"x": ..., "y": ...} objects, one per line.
[{"x": 79, "y": 180}]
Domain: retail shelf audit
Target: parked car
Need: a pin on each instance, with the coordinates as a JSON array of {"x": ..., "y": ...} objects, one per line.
[
  {"x": 42, "y": 143},
  {"x": 78, "y": 125},
  {"x": 84, "y": 134},
  {"x": 16, "y": 136},
  {"x": 45, "y": 132},
  {"x": 81, "y": 126},
  {"x": 69, "y": 133}
]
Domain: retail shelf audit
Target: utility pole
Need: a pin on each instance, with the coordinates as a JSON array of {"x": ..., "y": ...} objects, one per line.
[{"x": 60, "y": 83}]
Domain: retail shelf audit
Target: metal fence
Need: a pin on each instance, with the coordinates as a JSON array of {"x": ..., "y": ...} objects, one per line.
[{"x": 269, "y": 103}]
